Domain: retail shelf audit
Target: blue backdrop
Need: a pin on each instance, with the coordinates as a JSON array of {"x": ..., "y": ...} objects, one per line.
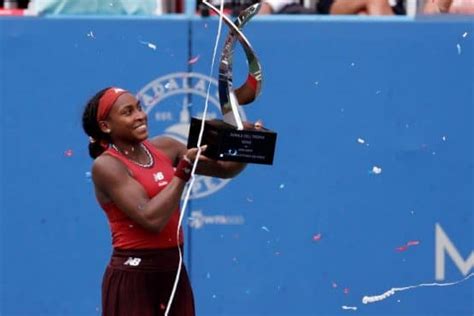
[{"x": 375, "y": 148}]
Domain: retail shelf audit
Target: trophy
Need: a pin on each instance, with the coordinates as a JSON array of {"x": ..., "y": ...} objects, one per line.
[{"x": 227, "y": 139}]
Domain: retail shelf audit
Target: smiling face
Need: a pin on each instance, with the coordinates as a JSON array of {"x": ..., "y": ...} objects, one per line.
[{"x": 126, "y": 122}]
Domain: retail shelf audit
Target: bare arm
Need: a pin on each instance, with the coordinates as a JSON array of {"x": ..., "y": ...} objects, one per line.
[
  {"x": 437, "y": 6},
  {"x": 265, "y": 9},
  {"x": 114, "y": 183}
]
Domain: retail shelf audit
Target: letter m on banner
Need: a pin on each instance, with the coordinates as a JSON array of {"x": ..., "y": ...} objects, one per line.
[{"x": 445, "y": 246}]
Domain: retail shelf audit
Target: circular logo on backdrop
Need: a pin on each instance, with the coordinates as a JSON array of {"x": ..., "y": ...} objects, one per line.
[{"x": 169, "y": 102}]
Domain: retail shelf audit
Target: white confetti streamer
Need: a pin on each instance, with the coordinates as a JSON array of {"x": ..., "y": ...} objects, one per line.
[{"x": 381, "y": 297}]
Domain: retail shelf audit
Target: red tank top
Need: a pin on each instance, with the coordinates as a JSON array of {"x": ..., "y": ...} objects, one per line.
[{"x": 127, "y": 234}]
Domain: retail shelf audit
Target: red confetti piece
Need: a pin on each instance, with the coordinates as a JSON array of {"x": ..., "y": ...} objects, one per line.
[
  {"x": 407, "y": 245},
  {"x": 317, "y": 237},
  {"x": 193, "y": 60},
  {"x": 401, "y": 248},
  {"x": 68, "y": 153}
]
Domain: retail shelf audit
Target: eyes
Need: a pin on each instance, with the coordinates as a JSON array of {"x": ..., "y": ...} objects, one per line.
[{"x": 128, "y": 110}]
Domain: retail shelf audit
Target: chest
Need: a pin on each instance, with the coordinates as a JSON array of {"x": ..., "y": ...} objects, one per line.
[{"x": 155, "y": 178}]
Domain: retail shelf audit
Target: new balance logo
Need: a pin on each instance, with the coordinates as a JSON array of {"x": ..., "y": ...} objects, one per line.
[
  {"x": 132, "y": 262},
  {"x": 158, "y": 176}
]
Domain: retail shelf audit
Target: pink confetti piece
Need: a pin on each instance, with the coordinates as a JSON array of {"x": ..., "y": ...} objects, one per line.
[
  {"x": 317, "y": 237},
  {"x": 193, "y": 60},
  {"x": 68, "y": 153},
  {"x": 334, "y": 285},
  {"x": 407, "y": 245},
  {"x": 401, "y": 248},
  {"x": 162, "y": 306},
  {"x": 346, "y": 290}
]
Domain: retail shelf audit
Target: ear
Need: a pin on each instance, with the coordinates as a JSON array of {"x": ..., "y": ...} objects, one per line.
[{"x": 104, "y": 127}]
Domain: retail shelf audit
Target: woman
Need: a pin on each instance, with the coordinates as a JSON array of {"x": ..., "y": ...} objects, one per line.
[{"x": 138, "y": 183}]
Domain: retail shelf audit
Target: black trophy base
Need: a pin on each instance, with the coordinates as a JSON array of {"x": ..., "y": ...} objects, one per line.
[{"x": 226, "y": 142}]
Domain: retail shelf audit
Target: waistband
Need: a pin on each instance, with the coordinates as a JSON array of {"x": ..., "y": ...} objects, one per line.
[{"x": 163, "y": 259}]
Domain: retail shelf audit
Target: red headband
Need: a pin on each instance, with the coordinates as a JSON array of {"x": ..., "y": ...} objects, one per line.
[{"x": 107, "y": 101}]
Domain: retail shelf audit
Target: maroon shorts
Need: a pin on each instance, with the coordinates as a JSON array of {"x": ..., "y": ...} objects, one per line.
[{"x": 139, "y": 283}]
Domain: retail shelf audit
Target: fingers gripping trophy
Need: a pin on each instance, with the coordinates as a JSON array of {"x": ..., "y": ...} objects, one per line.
[{"x": 230, "y": 139}]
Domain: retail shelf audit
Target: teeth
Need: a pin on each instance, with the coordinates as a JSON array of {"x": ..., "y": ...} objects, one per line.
[{"x": 141, "y": 127}]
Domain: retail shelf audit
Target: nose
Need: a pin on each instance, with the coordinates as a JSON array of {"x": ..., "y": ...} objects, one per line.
[{"x": 141, "y": 115}]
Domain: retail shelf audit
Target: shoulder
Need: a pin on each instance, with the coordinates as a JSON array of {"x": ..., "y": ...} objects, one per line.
[
  {"x": 171, "y": 147},
  {"x": 107, "y": 167}
]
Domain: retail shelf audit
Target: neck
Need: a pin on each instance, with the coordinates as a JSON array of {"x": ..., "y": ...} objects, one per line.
[
  {"x": 136, "y": 153},
  {"x": 127, "y": 150}
]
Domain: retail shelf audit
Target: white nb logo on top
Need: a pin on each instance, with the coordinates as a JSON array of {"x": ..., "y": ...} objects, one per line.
[
  {"x": 132, "y": 262},
  {"x": 158, "y": 176}
]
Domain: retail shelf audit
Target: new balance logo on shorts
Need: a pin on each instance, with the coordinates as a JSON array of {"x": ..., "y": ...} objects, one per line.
[{"x": 132, "y": 262}]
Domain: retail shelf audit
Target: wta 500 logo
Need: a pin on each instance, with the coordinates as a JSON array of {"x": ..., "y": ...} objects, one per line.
[{"x": 170, "y": 101}]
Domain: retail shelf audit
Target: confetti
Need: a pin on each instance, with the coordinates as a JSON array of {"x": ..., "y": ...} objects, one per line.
[
  {"x": 88, "y": 174},
  {"x": 265, "y": 228},
  {"x": 360, "y": 141},
  {"x": 162, "y": 306},
  {"x": 401, "y": 248},
  {"x": 344, "y": 307},
  {"x": 214, "y": 296},
  {"x": 249, "y": 199},
  {"x": 193, "y": 60},
  {"x": 444, "y": 138},
  {"x": 376, "y": 170},
  {"x": 317, "y": 237},
  {"x": 282, "y": 186},
  {"x": 316, "y": 83},
  {"x": 334, "y": 285},
  {"x": 68, "y": 153},
  {"x": 378, "y": 92},
  {"x": 464, "y": 35},
  {"x": 352, "y": 64},
  {"x": 150, "y": 45},
  {"x": 208, "y": 275},
  {"x": 407, "y": 245},
  {"x": 90, "y": 34},
  {"x": 459, "y": 49},
  {"x": 381, "y": 297},
  {"x": 346, "y": 290},
  {"x": 413, "y": 243}
]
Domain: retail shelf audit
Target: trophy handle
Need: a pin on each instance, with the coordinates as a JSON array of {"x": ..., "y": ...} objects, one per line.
[{"x": 246, "y": 93}]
